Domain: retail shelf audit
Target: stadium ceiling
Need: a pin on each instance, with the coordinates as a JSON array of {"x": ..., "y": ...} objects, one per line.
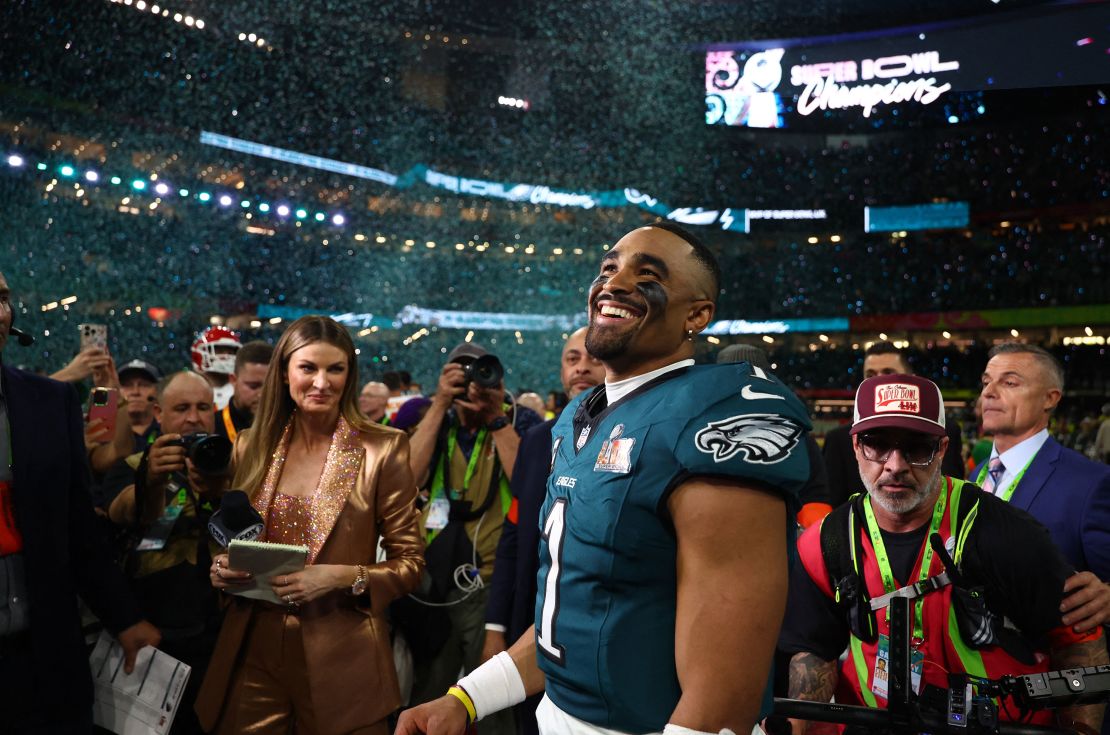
[{"x": 603, "y": 20}]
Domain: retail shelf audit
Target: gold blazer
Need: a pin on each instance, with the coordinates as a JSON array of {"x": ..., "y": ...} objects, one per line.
[{"x": 351, "y": 674}]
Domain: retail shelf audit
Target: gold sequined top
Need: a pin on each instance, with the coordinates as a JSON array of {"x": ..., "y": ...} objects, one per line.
[{"x": 290, "y": 520}]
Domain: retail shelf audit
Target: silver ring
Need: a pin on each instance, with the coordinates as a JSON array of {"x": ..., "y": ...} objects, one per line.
[
  {"x": 219, "y": 563},
  {"x": 288, "y": 599}
]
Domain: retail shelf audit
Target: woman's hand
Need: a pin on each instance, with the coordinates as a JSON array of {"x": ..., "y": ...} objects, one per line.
[
  {"x": 313, "y": 582},
  {"x": 223, "y": 577}
]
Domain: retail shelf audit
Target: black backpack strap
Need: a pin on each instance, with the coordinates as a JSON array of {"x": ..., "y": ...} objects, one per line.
[{"x": 839, "y": 530}]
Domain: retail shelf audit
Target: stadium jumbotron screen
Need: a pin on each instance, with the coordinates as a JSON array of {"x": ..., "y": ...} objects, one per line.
[{"x": 936, "y": 72}]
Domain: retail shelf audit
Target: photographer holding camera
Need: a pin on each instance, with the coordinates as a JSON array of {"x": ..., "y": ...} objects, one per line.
[
  {"x": 176, "y": 487},
  {"x": 463, "y": 453}
]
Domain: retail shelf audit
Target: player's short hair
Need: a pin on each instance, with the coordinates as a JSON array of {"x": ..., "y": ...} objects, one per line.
[
  {"x": 255, "y": 352},
  {"x": 702, "y": 254},
  {"x": 888, "y": 348},
  {"x": 1053, "y": 371}
]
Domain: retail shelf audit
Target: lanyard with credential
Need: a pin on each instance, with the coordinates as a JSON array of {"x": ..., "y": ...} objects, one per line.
[
  {"x": 889, "y": 584},
  {"x": 471, "y": 466},
  {"x": 1008, "y": 492},
  {"x": 228, "y": 423}
]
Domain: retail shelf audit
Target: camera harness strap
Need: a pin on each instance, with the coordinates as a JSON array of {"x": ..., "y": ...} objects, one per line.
[
  {"x": 883, "y": 560},
  {"x": 960, "y": 528}
]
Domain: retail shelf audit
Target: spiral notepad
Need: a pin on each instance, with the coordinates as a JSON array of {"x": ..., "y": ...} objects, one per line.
[{"x": 264, "y": 561}]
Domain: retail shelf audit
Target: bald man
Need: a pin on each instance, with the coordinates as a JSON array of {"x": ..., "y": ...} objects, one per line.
[{"x": 372, "y": 401}]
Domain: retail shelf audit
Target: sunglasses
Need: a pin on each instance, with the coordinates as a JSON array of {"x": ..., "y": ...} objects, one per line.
[{"x": 918, "y": 452}]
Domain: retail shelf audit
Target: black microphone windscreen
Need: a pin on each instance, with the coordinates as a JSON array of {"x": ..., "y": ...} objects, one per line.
[{"x": 237, "y": 511}]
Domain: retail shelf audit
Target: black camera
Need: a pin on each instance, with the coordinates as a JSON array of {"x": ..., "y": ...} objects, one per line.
[
  {"x": 209, "y": 453},
  {"x": 486, "y": 371}
]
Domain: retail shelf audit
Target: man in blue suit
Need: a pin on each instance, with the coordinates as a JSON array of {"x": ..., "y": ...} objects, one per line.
[
  {"x": 50, "y": 551},
  {"x": 512, "y": 599},
  {"x": 1061, "y": 488}
]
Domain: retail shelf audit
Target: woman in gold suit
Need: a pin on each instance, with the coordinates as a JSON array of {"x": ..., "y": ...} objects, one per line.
[{"x": 322, "y": 476}]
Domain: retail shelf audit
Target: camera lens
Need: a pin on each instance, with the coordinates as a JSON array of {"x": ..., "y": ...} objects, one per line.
[
  {"x": 211, "y": 454},
  {"x": 487, "y": 371}
]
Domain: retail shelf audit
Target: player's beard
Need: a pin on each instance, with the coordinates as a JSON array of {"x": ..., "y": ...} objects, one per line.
[
  {"x": 607, "y": 343},
  {"x": 901, "y": 503}
]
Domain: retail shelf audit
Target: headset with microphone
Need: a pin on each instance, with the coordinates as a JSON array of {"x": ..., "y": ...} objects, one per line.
[{"x": 25, "y": 339}]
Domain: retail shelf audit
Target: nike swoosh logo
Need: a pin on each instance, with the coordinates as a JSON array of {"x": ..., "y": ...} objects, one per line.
[{"x": 751, "y": 395}]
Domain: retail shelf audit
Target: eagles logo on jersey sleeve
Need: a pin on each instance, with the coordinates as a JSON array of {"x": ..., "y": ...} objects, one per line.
[{"x": 750, "y": 426}]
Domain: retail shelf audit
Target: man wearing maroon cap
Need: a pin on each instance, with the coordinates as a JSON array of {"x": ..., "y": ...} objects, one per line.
[{"x": 999, "y": 564}]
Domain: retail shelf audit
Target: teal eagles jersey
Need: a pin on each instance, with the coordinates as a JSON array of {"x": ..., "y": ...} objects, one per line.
[{"x": 605, "y": 610}]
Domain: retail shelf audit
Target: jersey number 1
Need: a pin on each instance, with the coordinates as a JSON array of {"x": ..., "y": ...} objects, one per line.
[{"x": 553, "y": 529}]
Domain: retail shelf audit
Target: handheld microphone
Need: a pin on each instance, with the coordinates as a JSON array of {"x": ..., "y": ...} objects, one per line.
[
  {"x": 236, "y": 520},
  {"x": 24, "y": 339}
]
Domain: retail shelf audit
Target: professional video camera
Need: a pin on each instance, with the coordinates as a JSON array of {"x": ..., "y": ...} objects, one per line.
[
  {"x": 967, "y": 706},
  {"x": 209, "y": 453}
]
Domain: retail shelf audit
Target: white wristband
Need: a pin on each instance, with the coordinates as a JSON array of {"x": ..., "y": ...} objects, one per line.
[{"x": 494, "y": 686}]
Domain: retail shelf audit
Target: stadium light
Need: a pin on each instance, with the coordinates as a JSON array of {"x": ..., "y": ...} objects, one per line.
[
  {"x": 138, "y": 185},
  {"x": 40, "y": 166},
  {"x": 245, "y": 204},
  {"x": 183, "y": 192},
  {"x": 282, "y": 210},
  {"x": 116, "y": 180},
  {"x": 320, "y": 216},
  {"x": 225, "y": 200},
  {"x": 302, "y": 213},
  {"x": 162, "y": 188},
  {"x": 15, "y": 160},
  {"x": 204, "y": 196},
  {"x": 338, "y": 220},
  {"x": 263, "y": 207},
  {"x": 66, "y": 171}
]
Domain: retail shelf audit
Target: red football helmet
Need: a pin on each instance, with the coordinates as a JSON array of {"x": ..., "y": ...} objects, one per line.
[{"x": 214, "y": 350}]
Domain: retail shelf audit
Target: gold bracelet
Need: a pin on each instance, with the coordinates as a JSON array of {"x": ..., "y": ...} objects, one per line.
[{"x": 460, "y": 694}]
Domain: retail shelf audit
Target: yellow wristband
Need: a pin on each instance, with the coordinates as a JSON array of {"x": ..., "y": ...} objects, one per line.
[{"x": 460, "y": 694}]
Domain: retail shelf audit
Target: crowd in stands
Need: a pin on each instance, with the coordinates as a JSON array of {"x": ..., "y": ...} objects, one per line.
[{"x": 195, "y": 264}]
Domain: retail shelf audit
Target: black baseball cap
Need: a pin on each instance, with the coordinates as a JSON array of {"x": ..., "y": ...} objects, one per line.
[{"x": 140, "y": 366}]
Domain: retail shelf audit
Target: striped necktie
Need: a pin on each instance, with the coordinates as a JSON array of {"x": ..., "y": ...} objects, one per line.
[{"x": 995, "y": 471}]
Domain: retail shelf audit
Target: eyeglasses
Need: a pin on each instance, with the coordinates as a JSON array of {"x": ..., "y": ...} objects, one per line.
[{"x": 917, "y": 452}]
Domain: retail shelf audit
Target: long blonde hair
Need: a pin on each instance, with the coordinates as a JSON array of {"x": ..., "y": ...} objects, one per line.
[{"x": 276, "y": 406}]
